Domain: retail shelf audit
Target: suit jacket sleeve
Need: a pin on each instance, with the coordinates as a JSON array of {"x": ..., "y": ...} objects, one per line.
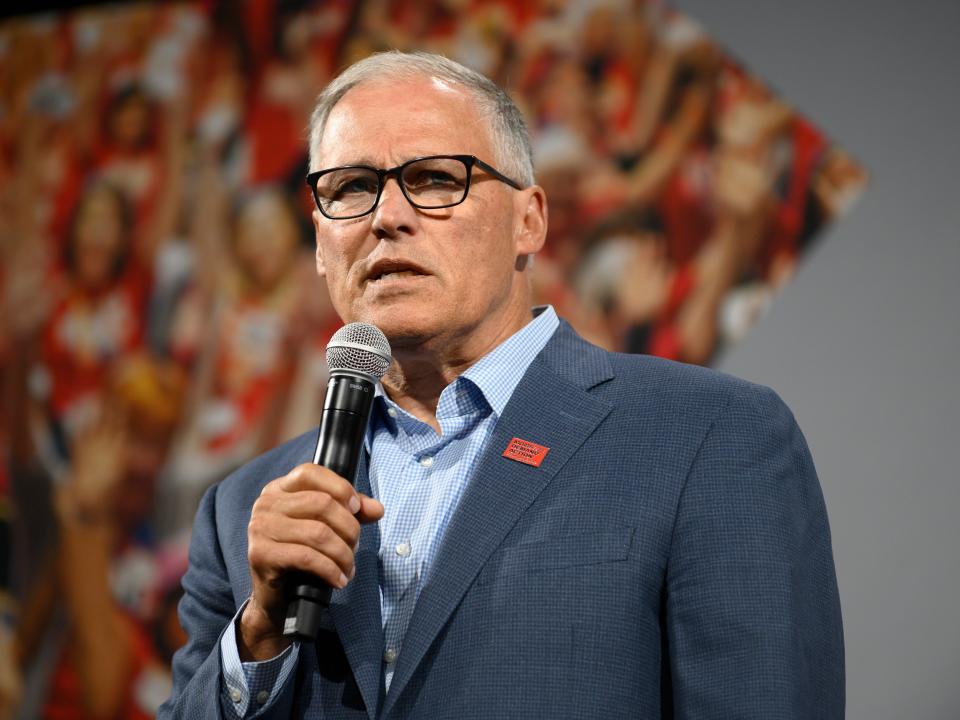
[
  {"x": 206, "y": 611},
  {"x": 752, "y": 610}
]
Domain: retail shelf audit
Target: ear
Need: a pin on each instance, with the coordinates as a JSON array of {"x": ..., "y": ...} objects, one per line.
[
  {"x": 321, "y": 265},
  {"x": 530, "y": 230}
]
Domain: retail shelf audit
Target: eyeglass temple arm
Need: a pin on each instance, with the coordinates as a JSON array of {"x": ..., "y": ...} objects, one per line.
[{"x": 497, "y": 174}]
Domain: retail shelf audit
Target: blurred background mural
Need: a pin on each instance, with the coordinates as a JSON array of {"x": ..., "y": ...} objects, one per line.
[{"x": 160, "y": 318}]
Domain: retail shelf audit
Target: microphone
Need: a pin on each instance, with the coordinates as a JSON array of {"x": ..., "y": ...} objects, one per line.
[{"x": 358, "y": 355}]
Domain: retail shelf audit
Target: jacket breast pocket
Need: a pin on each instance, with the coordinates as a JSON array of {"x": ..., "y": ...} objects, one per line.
[{"x": 609, "y": 545}]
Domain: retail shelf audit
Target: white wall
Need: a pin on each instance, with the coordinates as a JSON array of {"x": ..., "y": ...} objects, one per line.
[{"x": 865, "y": 345}]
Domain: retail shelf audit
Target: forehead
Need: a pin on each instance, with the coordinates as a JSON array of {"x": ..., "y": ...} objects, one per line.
[{"x": 389, "y": 121}]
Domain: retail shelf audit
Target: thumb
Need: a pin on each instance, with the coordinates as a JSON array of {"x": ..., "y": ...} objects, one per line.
[{"x": 370, "y": 510}]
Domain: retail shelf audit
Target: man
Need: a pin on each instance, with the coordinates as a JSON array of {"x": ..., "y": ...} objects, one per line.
[{"x": 557, "y": 531}]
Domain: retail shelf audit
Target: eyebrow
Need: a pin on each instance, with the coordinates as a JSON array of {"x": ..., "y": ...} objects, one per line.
[
  {"x": 368, "y": 162},
  {"x": 361, "y": 161}
]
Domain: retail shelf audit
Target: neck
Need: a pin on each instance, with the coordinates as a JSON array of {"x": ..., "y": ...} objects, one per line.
[{"x": 423, "y": 368}]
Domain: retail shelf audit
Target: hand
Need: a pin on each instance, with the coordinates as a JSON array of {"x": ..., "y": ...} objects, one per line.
[
  {"x": 308, "y": 520},
  {"x": 30, "y": 294},
  {"x": 98, "y": 460},
  {"x": 742, "y": 185},
  {"x": 644, "y": 283},
  {"x": 753, "y": 124}
]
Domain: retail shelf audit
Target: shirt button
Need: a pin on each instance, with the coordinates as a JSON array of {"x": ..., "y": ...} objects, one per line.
[
  {"x": 426, "y": 461},
  {"x": 391, "y": 412},
  {"x": 389, "y": 655},
  {"x": 236, "y": 695},
  {"x": 403, "y": 549},
  {"x": 262, "y": 697}
]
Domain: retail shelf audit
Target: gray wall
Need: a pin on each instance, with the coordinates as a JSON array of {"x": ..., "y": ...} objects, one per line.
[{"x": 864, "y": 345}]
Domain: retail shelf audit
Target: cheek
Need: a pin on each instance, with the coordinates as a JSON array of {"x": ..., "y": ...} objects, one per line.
[
  {"x": 335, "y": 261},
  {"x": 339, "y": 246},
  {"x": 336, "y": 264},
  {"x": 488, "y": 248}
]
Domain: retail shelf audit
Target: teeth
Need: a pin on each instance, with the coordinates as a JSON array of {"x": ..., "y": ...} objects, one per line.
[{"x": 397, "y": 274}]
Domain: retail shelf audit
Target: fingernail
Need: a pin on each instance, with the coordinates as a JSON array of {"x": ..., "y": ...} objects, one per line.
[
  {"x": 354, "y": 504},
  {"x": 353, "y": 572},
  {"x": 343, "y": 580}
]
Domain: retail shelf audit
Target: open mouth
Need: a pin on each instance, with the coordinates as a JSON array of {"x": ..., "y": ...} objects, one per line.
[
  {"x": 386, "y": 270},
  {"x": 397, "y": 274}
]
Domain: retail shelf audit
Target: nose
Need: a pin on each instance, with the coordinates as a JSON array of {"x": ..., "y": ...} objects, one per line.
[{"x": 394, "y": 215}]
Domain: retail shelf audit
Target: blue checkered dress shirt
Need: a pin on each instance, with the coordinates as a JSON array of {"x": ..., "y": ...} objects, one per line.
[{"x": 419, "y": 476}]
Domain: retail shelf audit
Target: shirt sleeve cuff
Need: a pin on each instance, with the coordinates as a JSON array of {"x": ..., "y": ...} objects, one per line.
[{"x": 250, "y": 687}]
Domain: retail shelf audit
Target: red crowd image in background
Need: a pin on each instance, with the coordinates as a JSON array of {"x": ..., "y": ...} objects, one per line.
[{"x": 162, "y": 321}]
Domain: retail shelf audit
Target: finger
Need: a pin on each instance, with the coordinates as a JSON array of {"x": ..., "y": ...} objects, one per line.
[
  {"x": 317, "y": 536},
  {"x": 315, "y": 477},
  {"x": 370, "y": 510},
  {"x": 318, "y": 507},
  {"x": 288, "y": 557}
]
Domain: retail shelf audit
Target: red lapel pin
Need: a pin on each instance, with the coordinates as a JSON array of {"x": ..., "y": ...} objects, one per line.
[{"x": 526, "y": 452}]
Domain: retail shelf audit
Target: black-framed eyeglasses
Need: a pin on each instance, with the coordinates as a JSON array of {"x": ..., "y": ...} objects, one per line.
[{"x": 428, "y": 183}]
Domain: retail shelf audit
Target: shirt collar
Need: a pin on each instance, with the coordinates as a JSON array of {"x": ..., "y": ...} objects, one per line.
[{"x": 497, "y": 373}]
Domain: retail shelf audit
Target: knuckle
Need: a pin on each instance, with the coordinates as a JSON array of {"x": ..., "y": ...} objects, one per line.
[
  {"x": 303, "y": 558},
  {"x": 339, "y": 488},
  {"x": 263, "y": 505},
  {"x": 353, "y": 533},
  {"x": 324, "y": 502},
  {"x": 257, "y": 555},
  {"x": 298, "y": 473},
  {"x": 341, "y": 553},
  {"x": 272, "y": 487},
  {"x": 322, "y": 534},
  {"x": 255, "y": 526},
  {"x": 324, "y": 567}
]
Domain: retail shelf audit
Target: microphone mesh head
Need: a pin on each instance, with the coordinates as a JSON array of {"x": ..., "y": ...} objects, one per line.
[{"x": 360, "y": 347}]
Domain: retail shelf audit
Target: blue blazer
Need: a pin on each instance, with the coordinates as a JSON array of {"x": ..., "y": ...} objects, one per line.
[{"x": 670, "y": 557}]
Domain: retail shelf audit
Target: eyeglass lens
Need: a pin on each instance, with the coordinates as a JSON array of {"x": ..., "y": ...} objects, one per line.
[{"x": 427, "y": 183}]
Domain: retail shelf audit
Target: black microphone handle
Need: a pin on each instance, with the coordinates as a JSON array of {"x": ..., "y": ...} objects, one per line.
[{"x": 346, "y": 411}]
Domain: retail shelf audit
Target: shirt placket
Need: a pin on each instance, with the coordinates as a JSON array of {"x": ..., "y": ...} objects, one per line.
[
  {"x": 401, "y": 551},
  {"x": 422, "y": 499}
]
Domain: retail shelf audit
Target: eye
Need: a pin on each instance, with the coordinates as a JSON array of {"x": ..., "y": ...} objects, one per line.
[
  {"x": 362, "y": 184},
  {"x": 423, "y": 179},
  {"x": 340, "y": 185},
  {"x": 435, "y": 175}
]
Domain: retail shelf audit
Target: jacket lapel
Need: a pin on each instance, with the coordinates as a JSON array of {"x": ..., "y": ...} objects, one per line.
[
  {"x": 550, "y": 407},
  {"x": 355, "y": 610}
]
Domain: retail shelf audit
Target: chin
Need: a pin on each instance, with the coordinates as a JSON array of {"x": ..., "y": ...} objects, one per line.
[
  {"x": 405, "y": 334},
  {"x": 399, "y": 321},
  {"x": 405, "y": 327},
  {"x": 409, "y": 339}
]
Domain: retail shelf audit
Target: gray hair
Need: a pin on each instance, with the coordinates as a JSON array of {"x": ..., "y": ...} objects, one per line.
[{"x": 508, "y": 129}]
